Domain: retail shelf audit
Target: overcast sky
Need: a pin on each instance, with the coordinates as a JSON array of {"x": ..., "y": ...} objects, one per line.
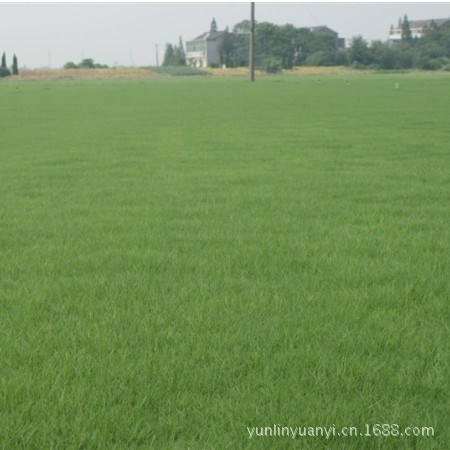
[{"x": 127, "y": 33}]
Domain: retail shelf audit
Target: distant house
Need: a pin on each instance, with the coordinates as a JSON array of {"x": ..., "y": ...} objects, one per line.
[
  {"x": 203, "y": 51},
  {"x": 340, "y": 42},
  {"x": 417, "y": 28}
]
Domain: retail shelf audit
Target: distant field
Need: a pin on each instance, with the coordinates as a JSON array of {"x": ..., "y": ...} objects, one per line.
[
  {"x": 148, "y": 72},
  {"x": 82, "y": 74},
  {"x": 181, "y": 259},
  {"x": 159, "y": 72}
]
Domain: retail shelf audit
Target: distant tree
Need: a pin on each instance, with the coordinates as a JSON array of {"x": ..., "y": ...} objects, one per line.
[
  {"x": 266, "y": 43},
  {"x": 431, "y": 33},
  {"x": 404, "y": 56},
  {"x": 406, "y": 31},
  {"x": 182, "y": 52},
  {"x": 274, "y": 42},
  {"x": 242, "y": 27},
  {"x": 435, "y": 41},
  {"x": 239, "y": 50},
  {"x": 288, "y": 46},
  {"x": 15, "y": 67},
  {"x": 359, "y": 51},
  {"x": 168, "y": 55},
  {"x": 4, "y": 71},
  {"x": 432, "y": 51},
  {"x": 321, "y": 40},
  {"x": 286, "y": 35},
  {"x": 320, "y": 58},
  {"x": 302, "y": 45},
  {"x": 87, "y": 63},
  {"x": 174, "y": 55},
  {"x": 321, "y": 50},
  {"x": 273, "y": 66},
  {"x": 179, "y": 57},
  {"x": 382, "y": 56},
  {"x": 226, "y": 49}
]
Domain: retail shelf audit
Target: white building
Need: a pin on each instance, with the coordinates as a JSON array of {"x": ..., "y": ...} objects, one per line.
[
  {"x": 203, "y": 51},
  {"x": 417, "y": 28}
]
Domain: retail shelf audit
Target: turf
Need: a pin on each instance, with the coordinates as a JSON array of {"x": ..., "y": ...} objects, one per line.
[{"x": 181, "y": 259}]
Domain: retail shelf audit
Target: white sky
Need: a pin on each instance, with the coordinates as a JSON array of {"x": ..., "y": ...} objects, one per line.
[{"x": 50, "y": 34}]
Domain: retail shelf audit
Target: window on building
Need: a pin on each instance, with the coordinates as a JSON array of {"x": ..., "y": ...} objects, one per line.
[{"x": 195, "y": 46}]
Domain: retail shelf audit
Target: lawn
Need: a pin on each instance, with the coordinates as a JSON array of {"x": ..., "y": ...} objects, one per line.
[{"x": 184, "y": 259}]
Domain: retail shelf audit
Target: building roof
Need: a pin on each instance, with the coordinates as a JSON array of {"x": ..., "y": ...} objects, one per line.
[
  {"x": 323, "y": 28},
  {"x": 427, "y": 23},
  {"x": 208, "y": 36}
]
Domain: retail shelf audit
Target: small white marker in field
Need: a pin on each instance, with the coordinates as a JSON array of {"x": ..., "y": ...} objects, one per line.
[{"x": 397, "y": 85}]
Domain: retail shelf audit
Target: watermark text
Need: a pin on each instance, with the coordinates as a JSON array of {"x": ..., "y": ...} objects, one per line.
[{"x": 367, "y": 430}]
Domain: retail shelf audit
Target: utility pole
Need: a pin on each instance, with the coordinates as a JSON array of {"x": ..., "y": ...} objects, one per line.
[{"x": 252, "y": 42}]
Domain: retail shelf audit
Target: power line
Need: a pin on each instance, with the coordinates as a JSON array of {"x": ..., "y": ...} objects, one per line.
[{"x": 310, "y": 14}]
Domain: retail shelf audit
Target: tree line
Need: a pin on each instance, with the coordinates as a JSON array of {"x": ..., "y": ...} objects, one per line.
[
  {"x": 174, "y": 55},
  {"x": 87, "y": 63},
  {"x": 430, "y": 52},
  {"x": 285, "y": 46},
  {"x": 280, "y": 46},
  {"x": 5, "y": 71}
]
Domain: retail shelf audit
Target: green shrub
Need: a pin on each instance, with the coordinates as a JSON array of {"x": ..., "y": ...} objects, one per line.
[
  {"x": 4, "y": 72},
  {"x": 85, "y": 64},
  {"x": 273, "y": 66},
  {"x": 428, "y": 64}
]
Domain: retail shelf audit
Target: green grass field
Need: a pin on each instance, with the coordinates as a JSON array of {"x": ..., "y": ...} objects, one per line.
[{"x": 181, "y": 259}]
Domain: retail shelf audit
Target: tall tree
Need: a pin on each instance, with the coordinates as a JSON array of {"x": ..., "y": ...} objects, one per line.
[
  {"x": 15, "y": 67},
  {"x": 4, "y": 71},
  {"x": 406, "y": 30},
  {"x": 302, "y": 45},
  {"x": 359, "y": 51},
  {"x": 168, "y": 56},
  {"x": 226, "y": 49},
  {"x": 382, "y": 55},
  {"x": 242, "y": 27},
  {"x": 179, "y": 57},
  {"x": 182, "y": 52},
  {"x": 267, "y": 43}
]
